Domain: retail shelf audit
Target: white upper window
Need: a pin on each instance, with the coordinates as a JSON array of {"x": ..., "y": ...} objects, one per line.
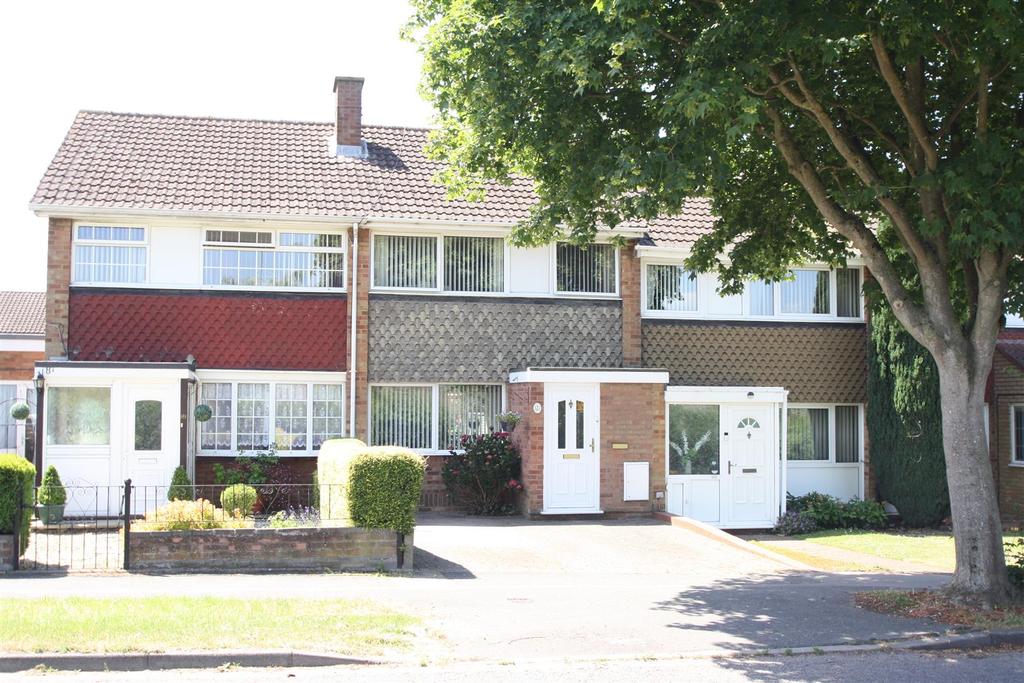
[
  {"x": 449, "y": 263},
  {"x": 672, "y": 291},
  {"x": 250, "y": 259},
  {"x": 586, "y": 270},
  {"x": 109, "y": 254}
]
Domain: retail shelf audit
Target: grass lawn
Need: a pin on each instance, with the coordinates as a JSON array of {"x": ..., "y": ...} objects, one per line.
[
  {"x": 934, "y": 549},
  {"x": 158, "y": 624}
]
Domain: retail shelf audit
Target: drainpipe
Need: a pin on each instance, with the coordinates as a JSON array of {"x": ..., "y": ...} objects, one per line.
[
  {"x": 354, "y": 306},
  {"x": 784, "y": 445}
]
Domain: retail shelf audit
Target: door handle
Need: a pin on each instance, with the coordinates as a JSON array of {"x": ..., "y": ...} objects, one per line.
[
  {"x": 591, "y": 445},
  {"x": 730, "y": 466}
]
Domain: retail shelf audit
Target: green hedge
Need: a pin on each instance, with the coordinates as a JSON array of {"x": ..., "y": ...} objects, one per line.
[
  {"x": 904, "y": 420},
  {"x": 331, "y": 482},
  {"x": 238, "y": 500},
  {"x": 384, "y": 486},
  {"x": 15, "y": 470}
]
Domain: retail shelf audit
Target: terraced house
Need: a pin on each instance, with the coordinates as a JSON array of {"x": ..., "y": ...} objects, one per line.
[{"x": 311, "y": 280}]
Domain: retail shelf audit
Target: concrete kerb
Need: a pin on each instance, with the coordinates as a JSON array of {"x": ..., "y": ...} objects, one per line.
[
  {"x": 154, "y": 661},
  {"x": 716, "y": 534},
  {"x": 14, "y": 663}
]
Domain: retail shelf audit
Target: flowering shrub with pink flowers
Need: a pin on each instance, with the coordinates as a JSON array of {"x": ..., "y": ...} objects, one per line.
[{"x": 483, "y": 475}]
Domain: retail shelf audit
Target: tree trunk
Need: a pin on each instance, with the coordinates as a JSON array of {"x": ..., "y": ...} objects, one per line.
[{"x": 980, "y": 574}]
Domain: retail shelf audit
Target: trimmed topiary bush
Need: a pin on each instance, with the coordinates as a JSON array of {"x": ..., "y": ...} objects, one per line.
[
  {"x": 484, "y": 477},
  {"x": 181, "y": 486},
  {"x": 52, "y": 492},
  {"x": 332, "y": 472},
  {"x": 203, "y": 413},
  {"x": 20, "y": 410},
  {"x": 238, "y": 499},
  {"x": 16, "y": 474},
  {"x": 383, "y": 488}
]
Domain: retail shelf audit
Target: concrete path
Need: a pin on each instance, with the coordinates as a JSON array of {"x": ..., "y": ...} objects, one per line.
[{"x": 514, "y": 590}]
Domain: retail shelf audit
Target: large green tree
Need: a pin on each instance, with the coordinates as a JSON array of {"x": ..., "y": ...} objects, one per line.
[{"x": 809, "y": 124}]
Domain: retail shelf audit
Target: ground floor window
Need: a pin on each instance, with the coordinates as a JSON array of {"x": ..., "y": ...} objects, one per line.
[
  {"x": 693, "y": 439},
  {"x": 1017, "y": 434},
  {"x": 432, "y": 417},
  {"x": 17, "y": 436},
  {"x": 78, "y": 416},
  {"x": 823, "y": 433},
  {"x": 252, "y": 415}
]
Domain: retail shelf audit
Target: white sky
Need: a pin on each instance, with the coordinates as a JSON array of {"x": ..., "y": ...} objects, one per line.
[{"x": 214, "y": 58}]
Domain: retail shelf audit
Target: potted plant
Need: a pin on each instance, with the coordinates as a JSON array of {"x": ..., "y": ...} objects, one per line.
[
  {"x": 508, "y": 420},
  {"x": 52, "y": 496}
]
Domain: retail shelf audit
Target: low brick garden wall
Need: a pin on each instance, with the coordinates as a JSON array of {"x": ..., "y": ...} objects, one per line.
[
  {"x": 6, "y": 552},
  {"x": 301, "y": 548}
]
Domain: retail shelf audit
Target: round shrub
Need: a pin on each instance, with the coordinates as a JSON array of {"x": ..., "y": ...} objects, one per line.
[
  {"x": 203, "y": 412},
  {"x": 238, "y": 500},
  {"x": 181, "y": 486},
  {"x": 20, "y": 410},
  {"x": 794, "y": 523},
  {"x": 383, "y": 488},
  {"x": 484, "y": 477}
]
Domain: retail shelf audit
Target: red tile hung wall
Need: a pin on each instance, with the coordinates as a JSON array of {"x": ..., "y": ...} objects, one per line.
[{"x": 300, "y": 332}]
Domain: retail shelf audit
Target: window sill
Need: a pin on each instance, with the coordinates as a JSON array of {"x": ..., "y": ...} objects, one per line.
[{"x": 1019, "y": 465}]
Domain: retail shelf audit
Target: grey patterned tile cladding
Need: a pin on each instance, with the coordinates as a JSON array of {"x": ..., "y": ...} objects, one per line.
[
  {"x": 424, "y": 339},
  {"x": 816, "y": 362}
]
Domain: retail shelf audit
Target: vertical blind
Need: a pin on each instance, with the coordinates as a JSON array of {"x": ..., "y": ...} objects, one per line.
[
  {"x": 671, "y": 288},
  {"x": 590, "y": 270},
  {"x": 467, "y": 409},
  {"x": 807, "y": 435},
  {"x": 807, "y": 292},
  {"x": 762, "y": 297},
  {"x": 848, "y": 293},
  {"x": 405, "y": 261},
  {"x": 401, "y": 416},
  {"x": 847, "y": 434},
  {"x": 474, "y": 264},
  {"x": 101, "y": 263}
]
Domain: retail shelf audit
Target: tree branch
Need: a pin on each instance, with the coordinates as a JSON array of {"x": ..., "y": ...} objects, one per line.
[
  {"x": 909, "y": 313},
  {"x": 915, "y": 120},
  {"x": 981, "y": 117}
]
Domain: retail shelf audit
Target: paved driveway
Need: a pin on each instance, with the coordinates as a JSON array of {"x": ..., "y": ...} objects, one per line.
[{"x": 506, "y": 589}]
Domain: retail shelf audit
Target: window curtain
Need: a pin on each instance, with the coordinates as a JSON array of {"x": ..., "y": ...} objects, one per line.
[
  {"x": 100, "y": 263},
  {"x": 807, "y": 293},
  {"x": 847, "y": 434},
  {"x": 807, "y": 434},
  {"x": 848, "y": 293},
  {"x": 474, "y": 264},
  {"x": 78, "y": 416},
  {"x": 671, "y": 288}
]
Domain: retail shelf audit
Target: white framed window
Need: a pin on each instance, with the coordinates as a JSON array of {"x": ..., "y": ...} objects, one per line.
[
  {"x": 671, "y": 288},
  {"x": 432, "y": 417},
  {"x": 1017, "y": 435},
  {"x": 251, "y": 259},
  {"x": 449, "y": 263},
  {"x": 78, "y": 416},
  {"x": 405, "y": 261},
  {"x": 819, "y": 434},
  {"x": 813, "y": 294},
  {"x": 292, "y": 415},
  {"x": 17, "y": 436},
  {"x": 593, "y": 269},
  {"x": 109, "y": 254},
  {"x": 474, "y": 264}
]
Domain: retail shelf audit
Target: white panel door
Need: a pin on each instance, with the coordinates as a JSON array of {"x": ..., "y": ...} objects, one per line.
[
  {"x": 571, "y": 475},
  {"x": 749, "y": 471},
  {"x": 151, "y": 442}
]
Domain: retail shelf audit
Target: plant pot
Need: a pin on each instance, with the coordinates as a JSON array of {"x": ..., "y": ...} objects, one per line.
[
  {"x": 50, "y": 514},
  {"x": 506, "y": 427}
]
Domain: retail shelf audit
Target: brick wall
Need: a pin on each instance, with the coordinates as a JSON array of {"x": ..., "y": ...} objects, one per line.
[
  {"x": 528, "y": 436},
  {"x": 19, "y": 365},
  {"x": 634, "y": 415},
  {"x": 58, "y": 282},
  {"x": 630, "y": 274},
  {"x": 6, "y": 552},
  {"x": 289, "y": 470},
  {"x": 434, "y": 496},
  {"x": 321, "y": 548},
  {"x": 362, "y": 303},
  {"x": 350, "y": 110},
  {"x": 1008, "y": 389}
]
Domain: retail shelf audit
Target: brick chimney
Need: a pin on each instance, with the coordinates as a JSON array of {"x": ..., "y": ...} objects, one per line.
[{"x": 349, "y": 123}]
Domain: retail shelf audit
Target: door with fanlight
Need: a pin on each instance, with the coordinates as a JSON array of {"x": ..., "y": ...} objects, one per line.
[
  {"x": 749, "y": 468},
  {"x": 571, "y": 457}
]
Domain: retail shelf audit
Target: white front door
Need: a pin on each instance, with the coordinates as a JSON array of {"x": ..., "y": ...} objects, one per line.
[
  {"x": 749, "y": 467},
  {"x": 152, "y": 442},
  {"x": 571, "y": 454}
]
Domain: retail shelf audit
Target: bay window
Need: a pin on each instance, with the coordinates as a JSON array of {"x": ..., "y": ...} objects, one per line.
[
  {"x": 432, "y": 417},
  {"x": 586, "y": 270},
  {"x": 108, "y": 254},
  {"x": 823, "y": 434},
  {"x": 288, "y": 416}
]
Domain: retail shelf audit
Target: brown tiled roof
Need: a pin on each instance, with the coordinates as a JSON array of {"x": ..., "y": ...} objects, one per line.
[
  {"x": 212, "y": 165},
  {"x": 23, "y": 313},
  {"x": 1012, "y": 346}
]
